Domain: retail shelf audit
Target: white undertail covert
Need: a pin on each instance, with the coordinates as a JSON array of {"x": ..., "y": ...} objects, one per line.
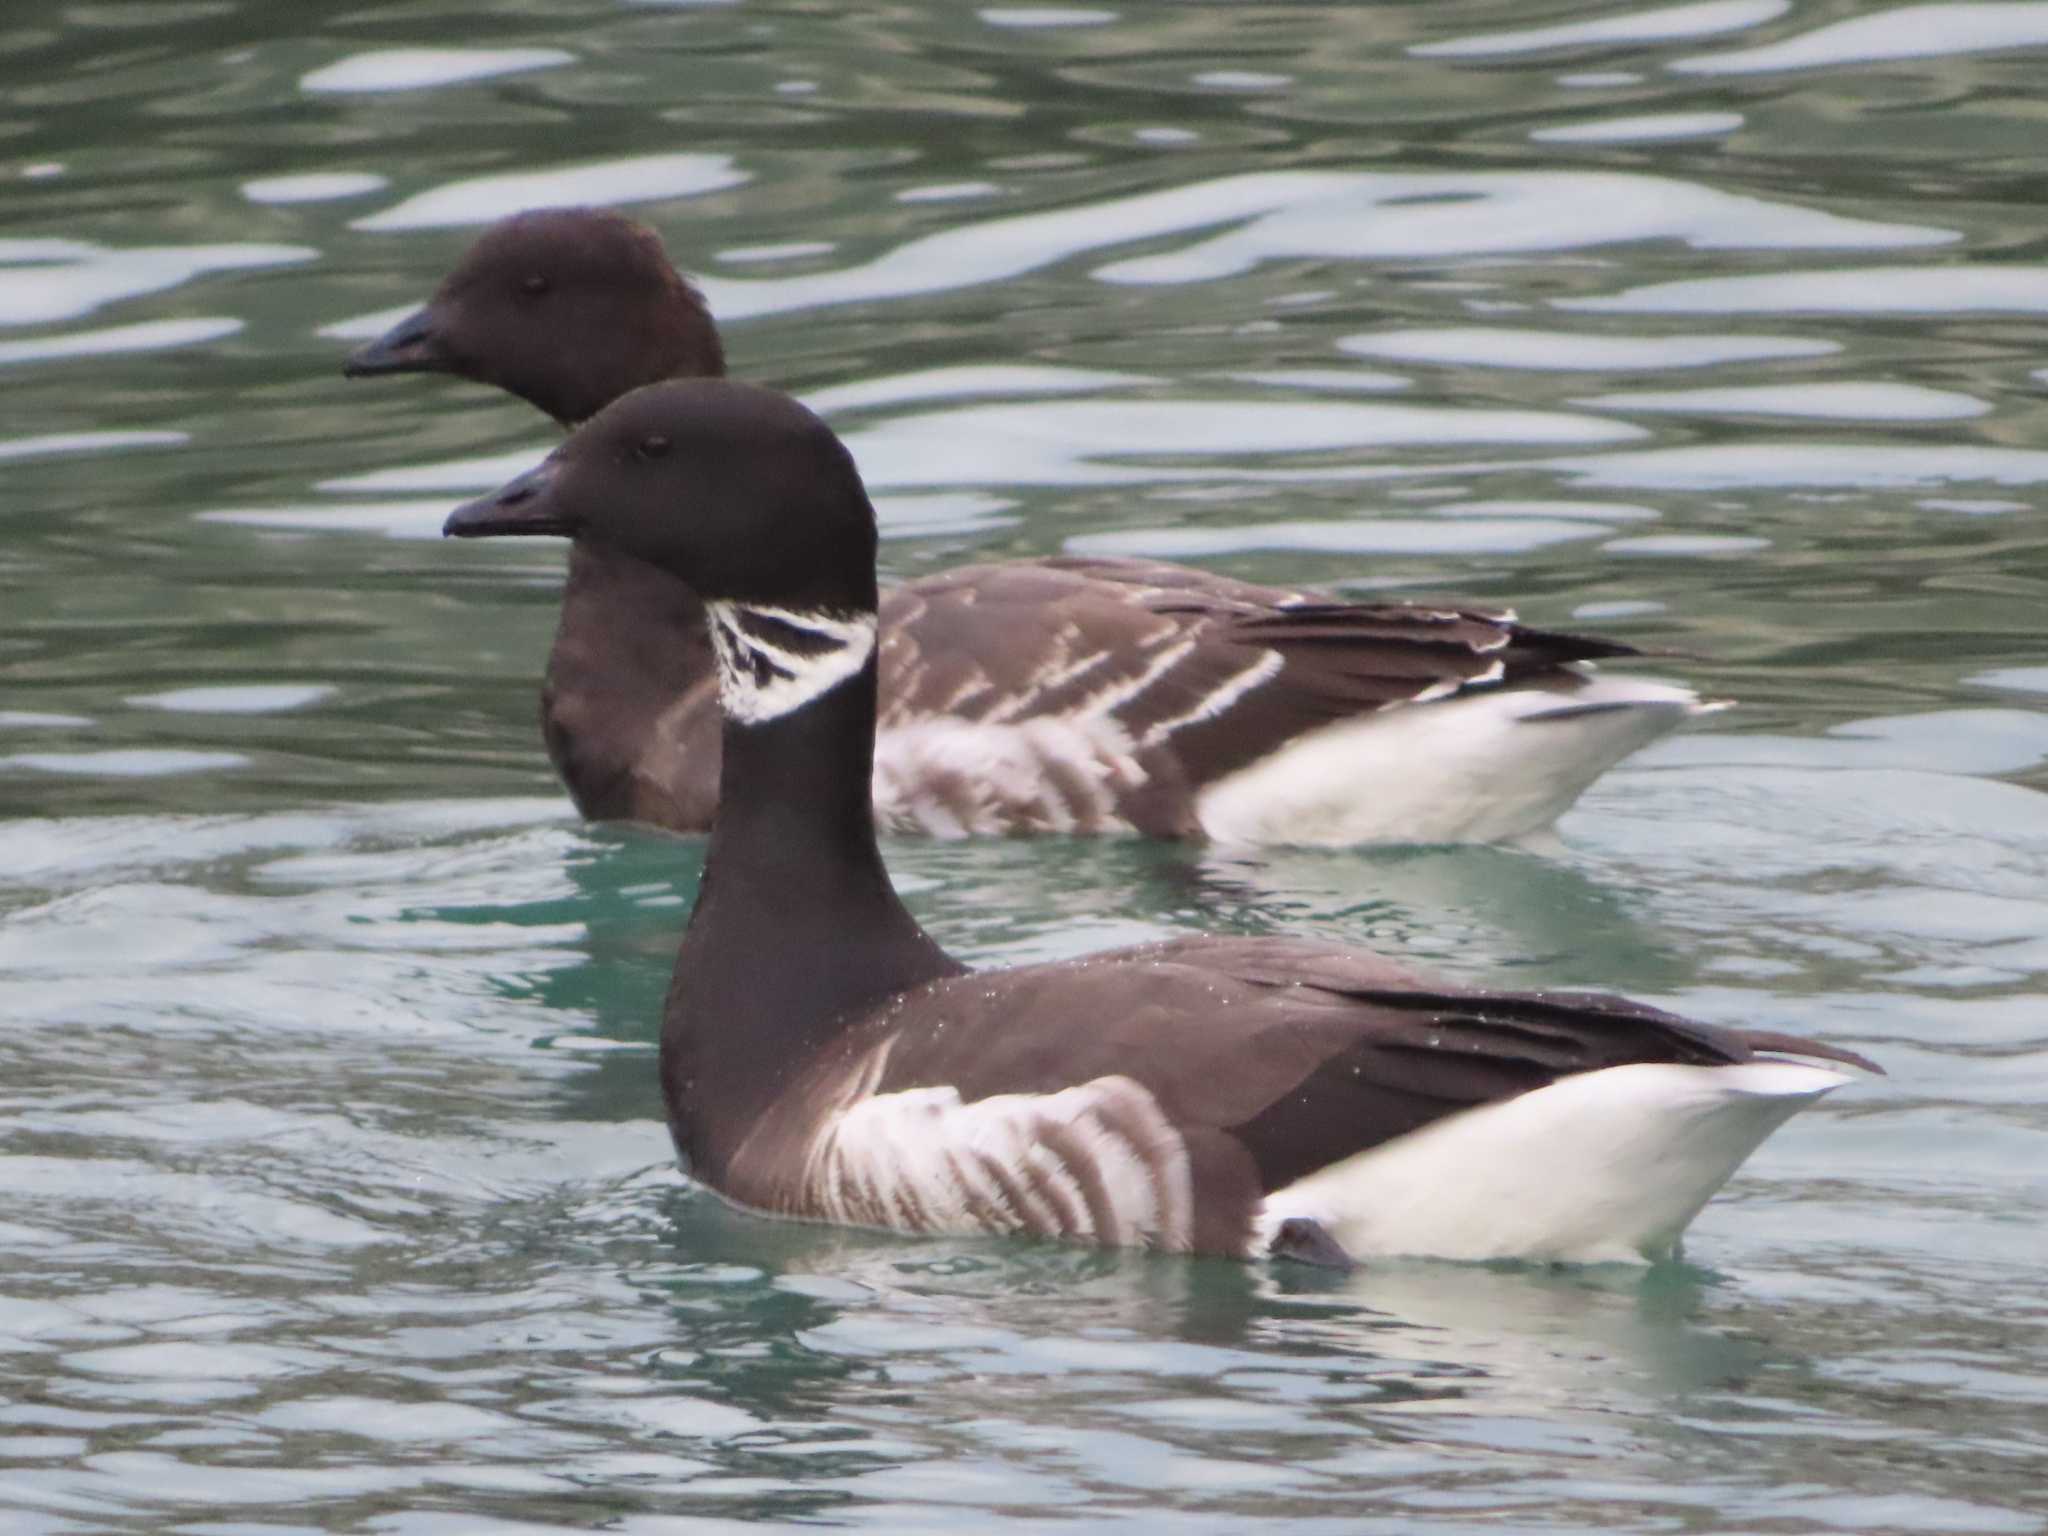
[{"x": 1599, "y": 1167}]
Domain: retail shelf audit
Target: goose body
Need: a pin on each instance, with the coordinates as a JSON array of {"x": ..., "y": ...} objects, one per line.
[
  {"x": 1082, "y": 696},
  {"x": 823, "y": 1059},
  {"x": 1263, "y": 1082}
]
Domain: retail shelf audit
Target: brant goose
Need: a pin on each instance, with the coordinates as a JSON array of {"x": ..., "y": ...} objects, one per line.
[
  {"x": 1060, "y": 695},
  {"x": 823, "y": 1058}
]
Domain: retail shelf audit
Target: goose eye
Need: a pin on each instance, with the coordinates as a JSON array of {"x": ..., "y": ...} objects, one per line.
[
  {"x": 535, "y": 283},
  {"x": 652, "y": 447}
]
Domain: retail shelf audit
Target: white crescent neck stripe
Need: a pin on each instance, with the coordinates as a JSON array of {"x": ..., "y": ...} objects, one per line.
[{"x": 759, "y": 679}]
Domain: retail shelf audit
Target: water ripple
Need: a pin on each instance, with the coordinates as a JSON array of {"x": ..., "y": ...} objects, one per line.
[
  {"x": 413, "y": 69},
  {"x": 334, "y": 1188},
  {"x": 1516, "y": 347},
  {"x": 478, "y": 200},
  {"x": 48, "y": 281},
  {"x": 1947, "y": 289},
  {"x": 1903, "y": 32},
  {"x": 145, "y": 336},
  {"x": 1662, "y": 24}
]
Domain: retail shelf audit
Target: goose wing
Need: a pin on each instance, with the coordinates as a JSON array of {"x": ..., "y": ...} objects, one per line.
[{"x": 1203, "y": 673}]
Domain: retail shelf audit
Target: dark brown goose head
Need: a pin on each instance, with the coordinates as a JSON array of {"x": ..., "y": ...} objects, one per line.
[
  {"x": 737, "y": 491},
  {"x": 567, "y": 308}
]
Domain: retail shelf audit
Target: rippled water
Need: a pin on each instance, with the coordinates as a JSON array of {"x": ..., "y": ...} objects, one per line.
[{"x": 333, "y": 1194}]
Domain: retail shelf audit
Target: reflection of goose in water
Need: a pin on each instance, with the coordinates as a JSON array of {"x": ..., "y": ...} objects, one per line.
[
  {"x": 1120, "y": 1342},
  {"x": 1475, "y": 908}
]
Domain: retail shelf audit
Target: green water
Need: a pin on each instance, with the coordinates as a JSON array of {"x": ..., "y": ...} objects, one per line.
[{"x": 333, "y": 1193}]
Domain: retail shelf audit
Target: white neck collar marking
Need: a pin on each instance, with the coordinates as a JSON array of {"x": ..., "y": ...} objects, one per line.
[{"x": 773, "y": 660}]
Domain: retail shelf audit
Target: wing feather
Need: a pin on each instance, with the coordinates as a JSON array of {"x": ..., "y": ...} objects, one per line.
[{"x": 1204, "y": 673}]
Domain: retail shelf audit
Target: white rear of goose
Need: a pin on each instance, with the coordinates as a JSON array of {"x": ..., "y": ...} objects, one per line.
[
  {"x": 1601, "y": 1167},
  {"x": 1482, "y": 767}
]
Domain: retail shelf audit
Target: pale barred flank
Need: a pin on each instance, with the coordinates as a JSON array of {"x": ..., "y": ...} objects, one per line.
[
  {"x": 1095, "y": 1163},
  {"x": 960, "y": 778},
  {"x": 772, "y": 660}
]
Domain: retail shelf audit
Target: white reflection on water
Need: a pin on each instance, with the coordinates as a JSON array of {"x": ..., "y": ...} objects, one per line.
[
  {"x": 237, "y": 699},
  {"x": 1364, "y": 536},
  {"x": 84, "y": 852},
  {"x": 966, "y": 382},
  {"x": 1905, "y": 32},
  {"x": 313, "y": 187},
  {"x": 639, "y": 179},
  {"x": 1488, "y": 346},
  {"x": 1460, "y": 527},
  {"x": 1028, "y": 442},
  {"x": 1040, "y": 16},
  {"x": 1948, "y": 289},
  {"x": 1733, "y": 465},
  {"x": 1838, "y": 400},
  {"x": 1241, "y": 80},
  {"x": 42, "y": 281},
  {"x": 1651, "y": 26},
  {"x": 1275, "y": 216},
  {"x": 1091, "y": 442},
  {"x": 1686, "y": 546},
  {"x": 148, "y": 336},
  {"x": 1340, "y": 381},
  {"x": 87, "y": 442},
  {"x": 943, "y": 512},
  {"x": 948, "y": 192},
  {"x": 413, "y": 518},
  {"x": 363, "y": 327},
  {"x": 1605, "y": 511},
  {"x": 1396, "y": 217},
  {"x": 412, "y": 69},
  {"x": 781, "y": 250},
  {"x": 1654, "y": 129},
  {"x": 2022, "y": 679},
  {"x": 1970, "y": 506},
  {"x": 1361, "y": 216},
  {"x": 129, "y": 763},
  {"x": 1098, "y": 441}
]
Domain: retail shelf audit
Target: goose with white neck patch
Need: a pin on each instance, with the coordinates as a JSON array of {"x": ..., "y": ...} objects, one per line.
[
  {"x": 1062, "y": 695},
  {"x": 822, "y": 1058}
]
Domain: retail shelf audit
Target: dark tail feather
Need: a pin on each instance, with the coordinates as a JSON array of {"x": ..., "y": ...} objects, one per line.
[{"x": 1799, "y": 1045}]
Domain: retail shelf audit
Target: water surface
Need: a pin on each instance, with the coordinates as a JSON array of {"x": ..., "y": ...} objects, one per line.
[{"x": 333, "y": 1193}]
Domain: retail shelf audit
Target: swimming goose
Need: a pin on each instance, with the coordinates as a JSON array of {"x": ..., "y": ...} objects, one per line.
[
  {"x": 822, "y": 1058},
  {"x": 1058, "y": 695}
]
